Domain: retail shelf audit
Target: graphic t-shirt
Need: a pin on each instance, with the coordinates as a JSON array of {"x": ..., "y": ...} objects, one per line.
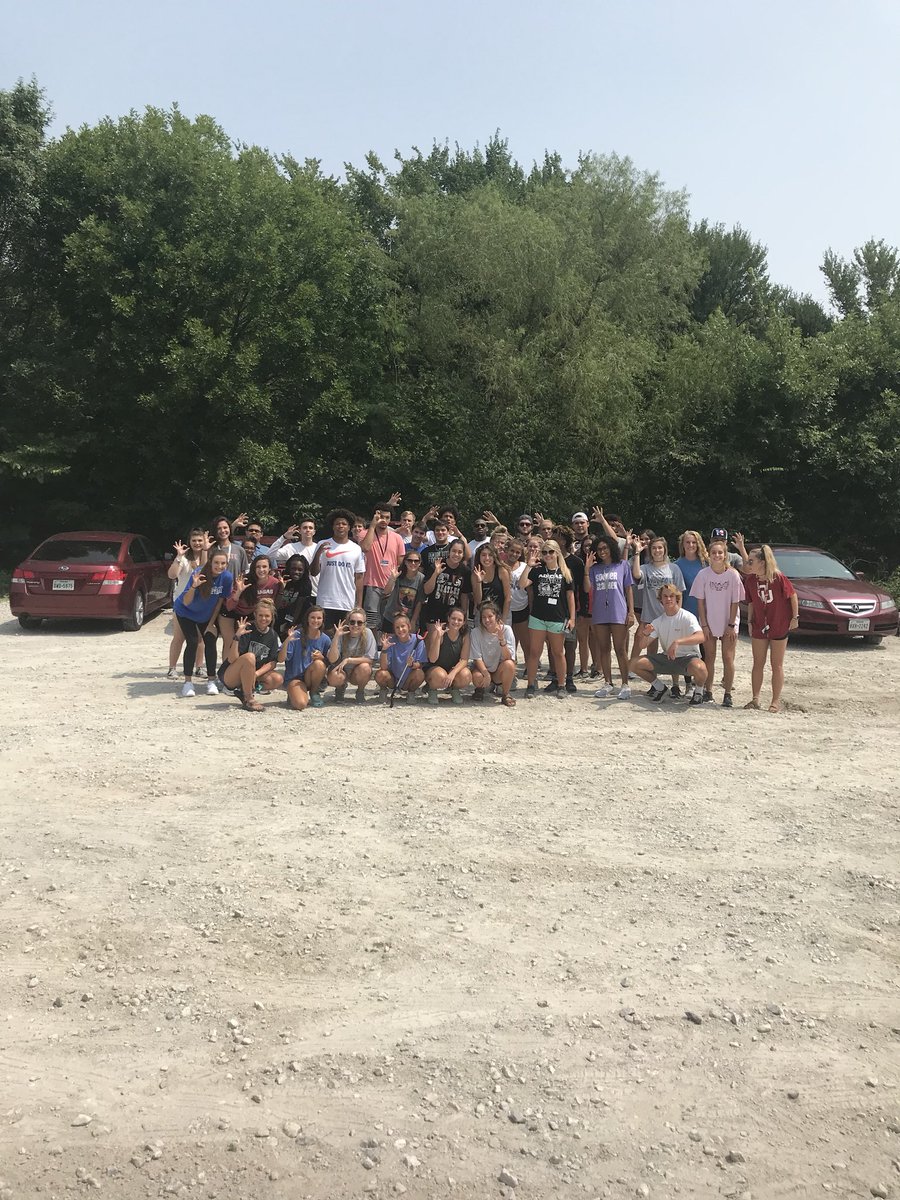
[
  {"x": 295, "y": 599},
  {"x": 339, "y": 565},
  {"x": 718, "y": 592},
  {"x": 432, "y": 552},
  {"x": 400, "y": 653},
  {"x": 770, "y": 601},
  {"x": 653, "y": 576},
  {"x": 201, "y": 607},
  {"x": 383, "y": 555},
  {"x": 670, "y": 629},
  {"x": 451, "y": 585},
  {"x": 263, "y": 646},
  {"x": 402, "y": 599},
  {"x": 270, "y": 589},
  {"x": 299, "y": 654},
  {"x": 609, "y": 583},
  {"x": 548, "y": 594}
]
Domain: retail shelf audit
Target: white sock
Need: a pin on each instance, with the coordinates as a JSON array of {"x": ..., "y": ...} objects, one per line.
[{"x": 657, "y": 686}]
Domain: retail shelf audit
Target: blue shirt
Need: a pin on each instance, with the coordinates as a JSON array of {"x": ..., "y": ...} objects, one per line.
[
  {"x": 401, "y": 652},
  {"x": 201, "y": 607},
  {"x": 300, "y": 652},
  {"x": 690, "y": 569}
]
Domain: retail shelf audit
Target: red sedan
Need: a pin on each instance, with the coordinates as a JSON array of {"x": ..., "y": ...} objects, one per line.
[
  {"x": 90, "y": 575},
  {"x": 833, "y": 600}
]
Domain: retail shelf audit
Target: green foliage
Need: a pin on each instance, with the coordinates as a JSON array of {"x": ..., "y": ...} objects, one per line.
[{"x": 189, "y": 326}]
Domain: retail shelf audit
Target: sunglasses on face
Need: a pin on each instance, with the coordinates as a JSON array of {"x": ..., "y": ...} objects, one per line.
[{"x": 357, "y": 622}]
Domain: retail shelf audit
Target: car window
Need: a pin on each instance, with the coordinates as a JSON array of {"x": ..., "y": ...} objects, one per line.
[
  {"x": 138, "y": 551},
  {"x": 152, "y": 556},
  {"x": 811, "y": 564},
  {"x": 78, "y": 551}
]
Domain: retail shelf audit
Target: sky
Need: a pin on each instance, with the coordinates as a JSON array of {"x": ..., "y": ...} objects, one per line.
[{"x": 777, "y": 116}]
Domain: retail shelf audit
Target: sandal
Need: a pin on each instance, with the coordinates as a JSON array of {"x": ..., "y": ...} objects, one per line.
[
  {"x": 507, "y": 702},
  {"x": 250, "y": 704},
  {"x": 774, "y": 708},
  {"x": 752, "y": 704}
]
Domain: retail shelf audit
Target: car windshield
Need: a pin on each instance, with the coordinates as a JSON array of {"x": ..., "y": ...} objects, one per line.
[
  {"x": 811, "y": 564},
  {"x": 78, "y": 550}
]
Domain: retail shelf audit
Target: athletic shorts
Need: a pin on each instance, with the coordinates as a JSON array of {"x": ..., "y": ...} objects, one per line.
[
  {"x": 519, "y": 617},
  {"x": 546, "y": 626},
  {"x": 663, "y": 665}
]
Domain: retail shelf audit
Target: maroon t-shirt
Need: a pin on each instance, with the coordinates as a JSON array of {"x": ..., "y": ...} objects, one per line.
[
  {"x": 771, "y": 605},
  {"x": 270, "y": 589}
]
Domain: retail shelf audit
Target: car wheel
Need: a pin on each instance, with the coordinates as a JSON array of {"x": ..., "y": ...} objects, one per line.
[
  {"x": 873, "y": 639},
  {"x": 30, "y": 622},
  {"x": 133, "y": 623}
]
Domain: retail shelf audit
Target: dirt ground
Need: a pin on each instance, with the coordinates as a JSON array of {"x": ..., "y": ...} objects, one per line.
[{"x": 452, "y": 953}]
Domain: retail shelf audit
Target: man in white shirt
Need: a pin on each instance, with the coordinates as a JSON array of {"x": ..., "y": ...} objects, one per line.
[
  {"x": 340, "y": 565},
  {"x": 680, "y": 638},
  {"x": 296, "y": 539}
]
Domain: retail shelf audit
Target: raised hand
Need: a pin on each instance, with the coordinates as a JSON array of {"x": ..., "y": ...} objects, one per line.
[
  {"x": 197, "y": 579},
  {"x": 240, "y": 520},
  {"x": 208, "y": 541},
  {"x": 242, "y": 627},
  {"x": 534, "y": 557},
  {"x": 439, "y": 565},
  {"x": 439, "y": 627},
  {"x": 294, "y": 632},
  {"x": 241, "y": 584},
  {"x": 395, "y": 499},
  {"x": 489, "y": 516},
  {"x": 386, "y": 641},
  {"x": 432, "y": 512},
  {"x": 500, "y": 638},
  {"x": 479, "y": 573},
  {"x": 590, "y": 560},
  {"x": 738, "y": 539},
  {"x": 597, "y": 514},
  {"x": 341, "y": 628},
  {"x": 538, "y": 517}
]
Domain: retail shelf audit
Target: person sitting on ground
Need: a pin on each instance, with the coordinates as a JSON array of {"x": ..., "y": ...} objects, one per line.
[
  {"x": 401, "y": 660},
  {"x": 493, "y": 651},
  {"x": 679, "y": 637},
  {"x": 351, "y": 656},
  {"x": 252, "y": 657},
  {"x": 303, "y": 657},
  {"x": 447, "y": 652}
]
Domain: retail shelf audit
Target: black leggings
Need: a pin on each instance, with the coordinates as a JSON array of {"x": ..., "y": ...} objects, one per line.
[{"x": 193, "y": 631}]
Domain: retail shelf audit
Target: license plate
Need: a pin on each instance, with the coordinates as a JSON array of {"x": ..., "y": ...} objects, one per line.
[
  {"x": 68, "y": 585},
  {"x": 858, "y": 625}
]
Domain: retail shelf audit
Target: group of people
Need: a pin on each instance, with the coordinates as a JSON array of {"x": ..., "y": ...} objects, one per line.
[{"x": 422, "y": 610}]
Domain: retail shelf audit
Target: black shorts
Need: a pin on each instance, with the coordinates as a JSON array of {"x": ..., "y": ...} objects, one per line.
[
  {"x": 332, "y": 616},
  {"x": 520, "y": 617}
]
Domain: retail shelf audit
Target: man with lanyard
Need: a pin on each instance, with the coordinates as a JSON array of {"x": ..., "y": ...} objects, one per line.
[{"x": 384, "y": 549}]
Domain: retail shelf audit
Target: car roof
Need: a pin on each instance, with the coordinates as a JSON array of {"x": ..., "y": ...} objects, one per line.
[
  {"x": 776, "y": 546},
  {"x": 88, "y": 534}
]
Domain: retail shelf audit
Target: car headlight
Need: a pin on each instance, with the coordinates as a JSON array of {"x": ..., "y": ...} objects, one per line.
[
  {"x": 887, "y": 604},
  {"x": 813, "y": 604}
]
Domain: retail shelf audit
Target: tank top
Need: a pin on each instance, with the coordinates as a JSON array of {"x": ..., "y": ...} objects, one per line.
[{"x": 448, "y": 655}]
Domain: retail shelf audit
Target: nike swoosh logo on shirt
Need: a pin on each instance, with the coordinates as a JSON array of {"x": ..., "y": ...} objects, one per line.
[{"x": 334, "y": 553}]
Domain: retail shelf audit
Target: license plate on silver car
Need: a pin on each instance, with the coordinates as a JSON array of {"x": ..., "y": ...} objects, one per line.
[
  {"x": 858, "y": 625},
  {"x": 68, "y": 585}
]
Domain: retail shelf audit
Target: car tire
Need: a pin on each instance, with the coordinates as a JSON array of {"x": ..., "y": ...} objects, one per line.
[
  {"x": 873, "y": 639},
  {"x": 30, "y": 622},
  {"x": 132, "y": 623}
]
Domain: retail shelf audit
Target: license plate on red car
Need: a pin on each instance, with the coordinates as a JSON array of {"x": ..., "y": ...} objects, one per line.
[
  {"x": 63, "y": 585},
  {"x": 858, "y": 625}
]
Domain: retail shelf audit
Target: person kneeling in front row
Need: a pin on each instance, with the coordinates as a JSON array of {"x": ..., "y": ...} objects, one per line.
[
  {"x": 303, "y": 655},
  {"x": 252, "y": 656},
  {"x": 401, "y": 661},
  {"x": 680, "y": 638}
]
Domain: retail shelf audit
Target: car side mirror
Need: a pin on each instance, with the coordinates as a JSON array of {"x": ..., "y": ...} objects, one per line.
[{"x": 860, "y": 574}]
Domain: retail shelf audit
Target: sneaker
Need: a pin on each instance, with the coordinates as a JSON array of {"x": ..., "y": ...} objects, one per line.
[
  {"x": 582, "y": 674},
  {"x": 514, "y": 686},
  {"x": 550, "y": 677},
  {"x": 656, "y": 695},
  {"x": 707, "y": 697},
  {"x": 238, "y": 693},
  {"x": 229, "y": 691},
  {"x": 340, "y": 692},
  {"x": 562, "y": 694},
  {"x": 697, "y": 697},
  {"x": 316, "y": 700},
  {"x": 675, "y": 691},
  {"x": 200, "y": 671},
  {"x": 382, "y": 695},
  {"x": 624, "y": 693},
  {"x": 595, "y": 674},
  {"x": 727, "y": 701},
  {"x": 455, "y": 696},
  {"x": 361, "y": 695},
  {"x": 478, "y": 695},
  {"x": 432, "y": 696},
  {"x": 552, "y": 691},
  {"x": 188, "y": 689},
  {"x": 552, "y": 686},
  {"x": 495, "y": 689},
  {"x": 570, "y": 686},
  {"x": 211, "y": 689},
  {"x": 172, "y": 673},
  {"x": 603, "y": 692},
  {"x": 530, "y": 691}
]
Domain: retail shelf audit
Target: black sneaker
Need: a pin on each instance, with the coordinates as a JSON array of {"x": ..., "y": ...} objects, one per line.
[
  {"x": 570, "y": 686},
  {"x": 707, "y": 697},
  {"x": 529, "y": 692},
  {"x": 675, "y": 691},
  {"x": 697, "y": 697},
  {"x": 727, "y": 701},
  {"x": 552, "y": 686},
  {"x": 656, "y": 695}
]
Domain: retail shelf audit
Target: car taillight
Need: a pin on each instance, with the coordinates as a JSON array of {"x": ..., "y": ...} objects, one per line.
[
  {"x": 26, "y": 575},
  {"x": 110, "y": 575}
]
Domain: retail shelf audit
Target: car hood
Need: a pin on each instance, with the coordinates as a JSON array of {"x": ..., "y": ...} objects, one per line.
[{"x": 837, "y": 589}]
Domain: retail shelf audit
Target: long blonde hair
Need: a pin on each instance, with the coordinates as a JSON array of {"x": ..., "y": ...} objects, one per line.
[
  {"x": 702, "y": 552},
  {"x": 769, "y": 559},
  {"x": 560, "y": 559}
]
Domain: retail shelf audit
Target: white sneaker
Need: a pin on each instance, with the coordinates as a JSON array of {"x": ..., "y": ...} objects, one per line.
[
  {"x": 172, "y": 673},
  {"x": 188, "y": 690},
  {"x": 625, "y": 693},
  {"x": 606, "y": 690},
  {"x": 211, "y": 689}
]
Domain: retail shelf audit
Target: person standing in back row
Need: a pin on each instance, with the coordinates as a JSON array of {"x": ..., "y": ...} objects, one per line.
[
  {"x": 384, "y": 550},
  {"x": 340, "y": 566}
]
